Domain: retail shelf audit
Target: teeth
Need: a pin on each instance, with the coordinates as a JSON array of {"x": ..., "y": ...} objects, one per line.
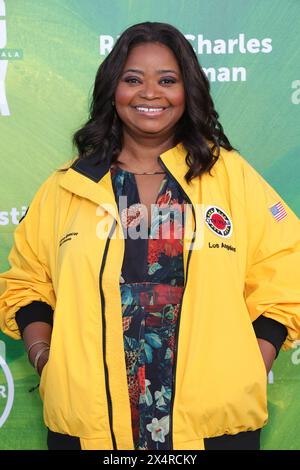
[{"x": 149, "y": 110}]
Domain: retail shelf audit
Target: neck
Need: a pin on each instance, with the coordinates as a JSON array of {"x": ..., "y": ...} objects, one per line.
[{"x": 144, "y": 151}]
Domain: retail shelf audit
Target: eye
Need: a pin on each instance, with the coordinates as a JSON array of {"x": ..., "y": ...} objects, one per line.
[
  {"x": 167, "y": 81},
  {"x": 133, "y": 80}
]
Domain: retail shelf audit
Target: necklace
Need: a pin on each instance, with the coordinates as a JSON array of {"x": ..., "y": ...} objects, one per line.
[{"x": 148, "y": 173}]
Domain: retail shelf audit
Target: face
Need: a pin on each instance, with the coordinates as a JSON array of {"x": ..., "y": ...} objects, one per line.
[{"x": 150, "y": 97}]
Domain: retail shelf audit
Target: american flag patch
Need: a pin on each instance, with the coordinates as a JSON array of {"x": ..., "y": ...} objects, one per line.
[{"x": 278, "y": 211}]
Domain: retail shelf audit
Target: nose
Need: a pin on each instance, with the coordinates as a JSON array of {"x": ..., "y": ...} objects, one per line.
[{"x": 150, "y": 90}]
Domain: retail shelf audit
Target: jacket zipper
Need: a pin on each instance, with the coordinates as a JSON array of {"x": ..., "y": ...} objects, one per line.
[
  {"x": 179, "y": 313},
  {"x": 109, "y": 400}
]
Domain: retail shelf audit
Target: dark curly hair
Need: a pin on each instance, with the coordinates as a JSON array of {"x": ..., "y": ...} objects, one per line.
[{"x": 102, "y": 133}]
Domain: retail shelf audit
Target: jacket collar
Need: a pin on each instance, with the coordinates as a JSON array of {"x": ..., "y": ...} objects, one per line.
[
  {"x": 93, "y": 183},
  {"x": 174, "y": 162},
  {"x": 90, "y": 168}
]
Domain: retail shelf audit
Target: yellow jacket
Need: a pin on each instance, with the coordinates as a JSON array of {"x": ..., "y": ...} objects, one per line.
[{"x": 244, "y": 263}]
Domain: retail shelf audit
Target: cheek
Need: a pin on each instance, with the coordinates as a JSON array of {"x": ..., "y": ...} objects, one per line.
[
  {"x": 178, "y": 99},
  {"x": 123, "y": 95}
]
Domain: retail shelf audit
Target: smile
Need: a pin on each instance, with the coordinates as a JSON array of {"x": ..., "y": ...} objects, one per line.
[{"x": 148, "y": 110}]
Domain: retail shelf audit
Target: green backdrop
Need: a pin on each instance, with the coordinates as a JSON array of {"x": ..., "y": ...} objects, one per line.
[{"x": 49, "y": 54}]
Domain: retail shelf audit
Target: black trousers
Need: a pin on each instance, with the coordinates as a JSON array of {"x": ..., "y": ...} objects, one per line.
[{"x": 249, "y": 440}]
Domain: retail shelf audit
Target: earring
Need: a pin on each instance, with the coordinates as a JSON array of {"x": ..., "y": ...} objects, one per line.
[{"x": 112, "y": 103}]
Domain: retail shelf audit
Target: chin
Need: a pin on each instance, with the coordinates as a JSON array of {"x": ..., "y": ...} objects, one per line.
[{"x": 152, "y": 129}]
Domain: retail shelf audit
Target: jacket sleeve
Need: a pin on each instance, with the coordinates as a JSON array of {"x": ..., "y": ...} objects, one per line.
[
  {"x": 270, "y": 330},
  {"x": 28, "y": 281},
  {"x": 272, "y": 285}
]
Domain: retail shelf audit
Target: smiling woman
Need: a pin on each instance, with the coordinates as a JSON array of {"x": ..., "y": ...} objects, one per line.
[
  {"x": 150, "y": 97},
  {"x": 168, "y": 337},
  {"x": 151, "y": 94}
]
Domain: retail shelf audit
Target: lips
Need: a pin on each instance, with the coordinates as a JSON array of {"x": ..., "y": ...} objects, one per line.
[{"x": 150, "y": 110}]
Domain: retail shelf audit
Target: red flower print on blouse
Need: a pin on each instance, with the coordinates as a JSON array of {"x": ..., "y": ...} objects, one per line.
[
  {"x": 162, "y": 293},
  {"x": 171, "y": 245},
  {"x": 152, "y": 320},
  {"x": 164, "y": 199},
  {"x": 153, "y": 250},
  {"x": 132, "y": 216},
  {"x": 169, "y": 241},
  {"x": 141, "y": 378}
]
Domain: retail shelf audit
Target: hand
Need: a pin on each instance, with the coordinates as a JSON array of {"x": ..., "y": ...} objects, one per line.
[{"x": 268, "y": 352}]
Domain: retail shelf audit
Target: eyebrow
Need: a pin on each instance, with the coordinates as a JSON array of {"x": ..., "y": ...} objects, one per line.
[{"x": 158, "y": 71}]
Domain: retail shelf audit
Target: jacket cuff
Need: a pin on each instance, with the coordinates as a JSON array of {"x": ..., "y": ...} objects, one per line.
[
  {"x": 35, "y": 311},
  {"x": 270, "y": 330}
]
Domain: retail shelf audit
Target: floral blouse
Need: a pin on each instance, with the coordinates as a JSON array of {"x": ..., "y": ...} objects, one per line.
[{"x": 151, "y": 287}]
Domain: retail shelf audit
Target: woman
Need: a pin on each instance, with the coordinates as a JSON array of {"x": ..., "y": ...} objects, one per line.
[{"x": 149, "y": 313}]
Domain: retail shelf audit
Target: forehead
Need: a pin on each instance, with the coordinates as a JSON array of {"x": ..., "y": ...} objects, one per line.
[{"x": 153, "y": 55}]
